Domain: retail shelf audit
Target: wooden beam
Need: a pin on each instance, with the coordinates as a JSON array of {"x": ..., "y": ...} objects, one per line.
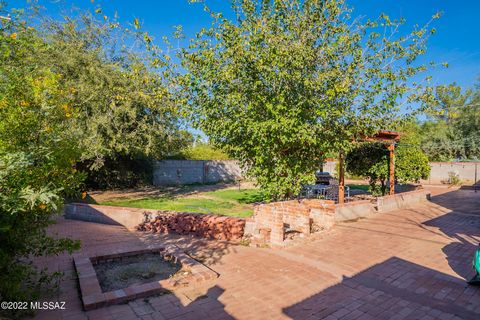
[
  {"x": 391, "y": 149},
  {"x": 341, "y": 178}
]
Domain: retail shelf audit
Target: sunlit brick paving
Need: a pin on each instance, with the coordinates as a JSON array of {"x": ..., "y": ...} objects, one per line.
[{"x": 407, "y": 264}]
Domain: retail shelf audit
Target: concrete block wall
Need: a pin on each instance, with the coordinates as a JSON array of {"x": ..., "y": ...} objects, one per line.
[
  {"x": 177, "y": 172},
  {"x": 439, "y": 171},
  {"x": 353, "y": 210},
  {"x": 401, "y": 200},
  {"x": 466, "y": 171}
]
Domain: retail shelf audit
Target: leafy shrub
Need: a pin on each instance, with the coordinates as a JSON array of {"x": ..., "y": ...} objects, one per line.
[
  {"x": 201, "y": 151},
  {"x": 69, "y": 93},
  {"x": 454, "y": 179},
  {"x": 28, "y": 200},
  {"x": 371, "y": 160}
]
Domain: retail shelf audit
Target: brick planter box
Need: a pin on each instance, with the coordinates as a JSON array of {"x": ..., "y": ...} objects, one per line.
[{"x": 93, "y": 297}]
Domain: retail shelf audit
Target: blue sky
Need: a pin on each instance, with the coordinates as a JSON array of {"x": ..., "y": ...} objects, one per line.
[{"x": 457, "y": 40}]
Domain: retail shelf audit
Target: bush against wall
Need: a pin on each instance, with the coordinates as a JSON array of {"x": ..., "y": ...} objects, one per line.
[
  {"x": 118, "y": 173},
  {"x": 371, "y": 161}
]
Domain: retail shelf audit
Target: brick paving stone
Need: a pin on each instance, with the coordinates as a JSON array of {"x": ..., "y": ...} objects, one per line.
[{"x": 406, "y": 264}]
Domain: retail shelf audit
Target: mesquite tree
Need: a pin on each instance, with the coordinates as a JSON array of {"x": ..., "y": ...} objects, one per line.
[{"x": 288, "y": 80}]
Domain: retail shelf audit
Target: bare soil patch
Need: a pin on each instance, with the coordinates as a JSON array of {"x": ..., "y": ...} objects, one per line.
[{"x": 120, "y": 273}]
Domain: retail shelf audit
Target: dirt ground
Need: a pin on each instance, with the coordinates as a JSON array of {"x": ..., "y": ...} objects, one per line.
[{"x": 174, "y": 191}]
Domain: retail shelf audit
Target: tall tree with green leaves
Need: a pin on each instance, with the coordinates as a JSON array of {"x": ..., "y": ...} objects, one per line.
[
  {"x": 69, "y": 94},
  {"x": 451, "y": 129},
  {"x": 287, "y": 81}
]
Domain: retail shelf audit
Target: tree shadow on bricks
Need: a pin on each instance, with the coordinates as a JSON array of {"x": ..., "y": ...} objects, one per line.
[
  {"x": 207, "y": 252},
  {"x": 393, "y": 289},
  {"x": 462, "y": 225}
]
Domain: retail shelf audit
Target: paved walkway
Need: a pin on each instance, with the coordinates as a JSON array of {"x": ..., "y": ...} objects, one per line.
[{"x": 407, "y": 264}]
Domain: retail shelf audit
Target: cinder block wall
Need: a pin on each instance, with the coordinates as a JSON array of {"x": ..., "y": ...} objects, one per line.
[
  {"x": 176, "y": 172},
  {"x": 439, "y": 171},
  {"x": 465, "y": 170}
]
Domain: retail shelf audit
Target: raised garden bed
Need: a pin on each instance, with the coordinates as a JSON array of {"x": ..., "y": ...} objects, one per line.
[{"x": 128, "y": 275}]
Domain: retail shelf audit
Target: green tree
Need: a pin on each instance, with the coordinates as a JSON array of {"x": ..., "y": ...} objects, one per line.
[
  {"x": 37, "y": 160},
  {"x": 449, "y": 101},
  {"x": 69, "y": 94},
  {"x": 116, "y": 84},
  {"x": 288, "y": 81},
  {"x": 201, "y": 151},
  {"x": 371, "y": 160},
  {"x": 451, "y": 130}
]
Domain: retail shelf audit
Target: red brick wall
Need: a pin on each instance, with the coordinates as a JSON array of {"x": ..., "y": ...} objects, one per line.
[{"x": 305, "y": 216}]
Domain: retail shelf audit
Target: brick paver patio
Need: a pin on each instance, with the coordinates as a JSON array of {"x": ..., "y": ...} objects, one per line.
[{"x": 407, "y": 264}]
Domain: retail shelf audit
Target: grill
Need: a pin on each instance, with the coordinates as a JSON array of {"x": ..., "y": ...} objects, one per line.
[{"x": 324, "y": 178}]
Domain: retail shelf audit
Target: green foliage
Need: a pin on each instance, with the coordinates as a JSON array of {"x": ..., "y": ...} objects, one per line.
[
  {"x": 370, "y": 160},
  {"x": 71, "y": 91},
  {"x": 454, "y": 179},
  {"x": 288, "y": 81},
  {"x": 109, "y": 84},
  {"x": 201, "y": 151},
  {"x": 449, "y": 101},
  {"x": 452, "y": 131},
  {"x": 119, "y": 173},
  {"x": 31, "y": 186}
]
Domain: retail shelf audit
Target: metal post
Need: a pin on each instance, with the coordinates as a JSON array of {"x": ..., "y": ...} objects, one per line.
[
  {"x": 391, "y": 149},
  {"x": 341, "y": 178},
  {"x": 475, "y": 182}
]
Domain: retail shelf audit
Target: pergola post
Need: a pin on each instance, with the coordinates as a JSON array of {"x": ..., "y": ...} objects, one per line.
[
  {"x": 391, "y": 149},
  {"x": 341, "y": 178}
]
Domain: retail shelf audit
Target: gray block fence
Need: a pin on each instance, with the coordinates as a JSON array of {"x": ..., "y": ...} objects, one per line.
[
  {"x": 177, "y": 172},
  {"x": 467, "y": 172}
]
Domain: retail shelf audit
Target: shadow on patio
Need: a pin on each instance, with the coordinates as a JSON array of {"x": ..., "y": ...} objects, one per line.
[
  {"x": 391, "y": 289},
  {"x": 462, "y": 225}
]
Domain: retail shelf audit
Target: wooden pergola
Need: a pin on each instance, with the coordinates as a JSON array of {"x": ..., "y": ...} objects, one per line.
[{"x": 389, "y": 138}]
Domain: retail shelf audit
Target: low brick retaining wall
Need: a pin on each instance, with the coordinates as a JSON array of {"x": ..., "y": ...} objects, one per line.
[
  {"x": 202, "y": 225},
  {"x": 273, "y": 222}
]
